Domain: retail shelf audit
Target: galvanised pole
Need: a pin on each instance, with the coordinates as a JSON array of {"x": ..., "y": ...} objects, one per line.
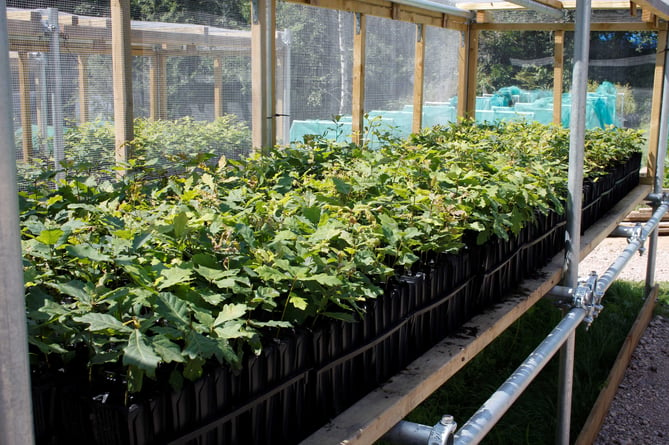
[
  {"x": 659, "y": 171},
  {"x": 574, "y": 204},
  {"x": 476, "y": 428},
  {"x": 16, "y": 423},
  {"x": 57, "y": 93}
]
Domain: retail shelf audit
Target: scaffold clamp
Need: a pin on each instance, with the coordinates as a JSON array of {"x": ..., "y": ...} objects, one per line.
[{"x": 584, "y": 298}]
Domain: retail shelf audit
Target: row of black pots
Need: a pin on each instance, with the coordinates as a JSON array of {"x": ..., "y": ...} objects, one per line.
[{"x": 301, "y": 381}]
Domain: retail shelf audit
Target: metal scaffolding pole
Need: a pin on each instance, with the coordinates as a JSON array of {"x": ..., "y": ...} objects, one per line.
[
  {"x": 659, "y": 171},
  {"x": 574, "y": 204},
  {"x": 16, "y": 424},
  {"x": 476, "y": 428}
]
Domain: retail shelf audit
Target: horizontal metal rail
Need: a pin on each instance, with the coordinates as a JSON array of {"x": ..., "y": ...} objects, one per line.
[
  {"x": 476, "y": 428},
  {"x": 635, "y": 243}
]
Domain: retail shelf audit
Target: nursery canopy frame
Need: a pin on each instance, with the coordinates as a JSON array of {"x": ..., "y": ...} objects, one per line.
[{"x": 23, "y": 32}]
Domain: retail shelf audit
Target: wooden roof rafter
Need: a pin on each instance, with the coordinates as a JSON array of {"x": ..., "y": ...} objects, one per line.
[
  {"x": 402, "y": 10},
  {"x": 652, "y": 10},
  {"x": 92, "y": 35}
]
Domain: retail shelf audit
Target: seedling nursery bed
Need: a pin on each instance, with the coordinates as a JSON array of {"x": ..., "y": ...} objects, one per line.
[{"x": 307, "y": 375}]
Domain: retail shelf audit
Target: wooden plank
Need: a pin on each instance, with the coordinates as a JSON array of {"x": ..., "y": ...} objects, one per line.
[
  {"x": 656, "y": 105},
  {"x": 601, "y": 407},
  {"x": 371, "y": 417},
  {"x": 558, "y": 77},
  {"x": 83, "y": 88},
  {"x": 468, "y": 61},
  {"x": 658, "y": 8},
  {"x": 391, "y": 10},
  {"x": 259, "y": 71},
  {"x": 26, "y": 115},
  {"x": 358, "y": 88},
  {"x": 501, "y": 5},
  {"x": 158, "y": 87},
  {"x": 218, "y": 86},
  {"x": 419, "y": 79},
  {"x": 604, "y": 27},
  {"x": 122, "y": 78}
]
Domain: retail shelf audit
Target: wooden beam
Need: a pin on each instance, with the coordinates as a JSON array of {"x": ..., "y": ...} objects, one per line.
[
  {"x": 372, "y": 416},
  {"x": 419, "y": 79},
  {"x": 468, "y": 60},
  {"x": 656, "y": 105},
  {"x": 158, "y": 86},
  {"x": 263, "y": 74},
  {"x": 568, "y": 4},
  {"x": 26, "y": 107},
  {"x": 122, "y": 78},
  {"x": 558, "y": 80},
  {"x": 218, "y": 86},
  {"x": 657, "y": 8},
  {"x": 358, "y": 88},
  {"x": 604, "y": 27},
  {"x": 393, "y": 11},
  {"x": 82, "y": 60}
]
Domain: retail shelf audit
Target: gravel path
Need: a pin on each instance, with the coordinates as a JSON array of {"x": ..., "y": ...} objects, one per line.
[{"x": 638, "y": 414}]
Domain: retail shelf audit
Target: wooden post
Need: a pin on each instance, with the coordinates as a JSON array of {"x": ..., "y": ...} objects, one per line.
[
  {"x": 358, "y": 90},
  {"x": 263, "y": 25},
  {"x": 24, "y": 93},
  {"x": 83, "y": 88},
  {"x": 558, "y": 69},
  {"x": 218, "y": 86},
  {"x": 656, "y": 107},
  {"x": 122, "y": 77},
  {"x": 42, "y": 102},
  {"x": 158, "y": 87},
  {"x": 418, "y": 84},
  {"x": 468, "y": 57}
]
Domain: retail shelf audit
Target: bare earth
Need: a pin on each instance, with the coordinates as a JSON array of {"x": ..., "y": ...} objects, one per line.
[{"x": 639, "y": 412}]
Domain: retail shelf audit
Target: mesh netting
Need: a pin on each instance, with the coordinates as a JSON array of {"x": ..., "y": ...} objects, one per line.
[{"x": 191, "y": 75}]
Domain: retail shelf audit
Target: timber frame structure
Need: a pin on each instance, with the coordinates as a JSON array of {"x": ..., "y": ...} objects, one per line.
[
  {"x": 122, "y": 38},
  {"x": 374, "y": 415}
]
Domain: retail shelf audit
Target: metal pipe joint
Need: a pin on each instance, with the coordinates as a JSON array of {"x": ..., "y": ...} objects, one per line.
[
  {"x": 583, "y": 297},
  {"x": 410, "y": 433},
  {"x": 586, "y": 298}
]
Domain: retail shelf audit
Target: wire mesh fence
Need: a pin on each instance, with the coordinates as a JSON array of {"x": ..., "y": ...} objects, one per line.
[{"x": 192, "y": 88}]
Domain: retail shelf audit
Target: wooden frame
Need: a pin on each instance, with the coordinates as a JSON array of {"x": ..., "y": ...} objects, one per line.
[
  {"x": 122, "y": 75},
  {"x": 358, "y": 90}
]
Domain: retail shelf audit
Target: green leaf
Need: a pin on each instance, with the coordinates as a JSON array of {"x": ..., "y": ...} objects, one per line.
[
  {"x": 167, "y": 350},
  {"x": 344, "y": 316},
  {"x": 140, "y": 239},
  {"x": 173, "y": 309},
  {"x": 50, "y": 236},
  {"x": 103, "y": 323},
  {"x": 75, "y": 288},
  {"x": 87, "y": 251},
  {"x": 174, "y": 275},
  {"x": 138, "y": 353},
  {"x": 313, "y": 214},
  {"x": 325, "y": 279},
  {"x": 271, "y": 274},
  {"x": 341, "y": 186},
  {"x": 299, "y": 302},
  {"x": 197, "y": 345},
  {"x": 230, "y": 312},
  {"x": 193, "y": 368},
  {"x": 180, "y": 225}
]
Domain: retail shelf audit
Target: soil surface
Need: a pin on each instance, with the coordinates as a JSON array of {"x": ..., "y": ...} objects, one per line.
[{"x": 639, "y": 412}]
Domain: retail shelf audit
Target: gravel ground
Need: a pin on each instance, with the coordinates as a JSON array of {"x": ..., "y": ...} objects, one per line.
[{"x": 638, "y": 414}]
